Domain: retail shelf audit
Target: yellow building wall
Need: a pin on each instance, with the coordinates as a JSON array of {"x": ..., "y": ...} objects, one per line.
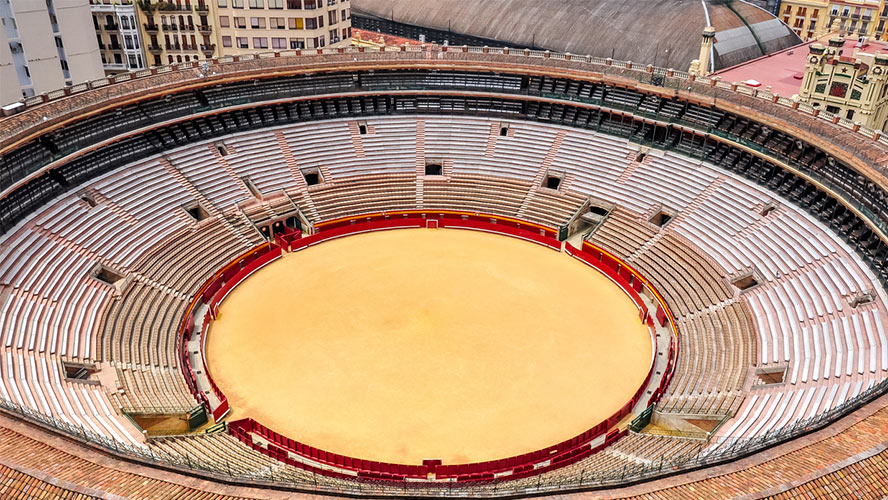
[{"x": 809, "y": 19}]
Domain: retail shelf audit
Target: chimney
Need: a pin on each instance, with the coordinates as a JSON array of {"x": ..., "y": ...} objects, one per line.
[{"x": 706, "y": 51}]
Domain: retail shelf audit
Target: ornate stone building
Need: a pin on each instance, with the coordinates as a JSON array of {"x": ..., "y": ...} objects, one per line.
[{"x": 851, "y": 86}]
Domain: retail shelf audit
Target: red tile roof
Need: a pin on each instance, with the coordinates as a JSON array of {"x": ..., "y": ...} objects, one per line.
[{"x": 390, "y": 40}]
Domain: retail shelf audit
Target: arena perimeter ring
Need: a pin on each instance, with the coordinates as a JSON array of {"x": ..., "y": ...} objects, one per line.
[
  {"x": 426, "y": 347},
  {"x": 399, "y": 346}
]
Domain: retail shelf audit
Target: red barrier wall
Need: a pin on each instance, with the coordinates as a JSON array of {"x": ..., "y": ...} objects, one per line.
[{"x": 559, "y": 455}]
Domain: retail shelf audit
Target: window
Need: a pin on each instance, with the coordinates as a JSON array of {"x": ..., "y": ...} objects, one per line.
[
  {"x": 276, "y": 23},
  {"x": 257, "y": 4},
  {"x": 299, "y": 43},
  {"x": 240, "y": 22},
  {"x": 311, "y": 23},
  {"x": 310, "y": 4},
  {"x": 322, "y": 43},
  {"x": 275, "y": 4},
  {"x": 332, "y": 17},
  {"x": 223, "y": 21},
  {"x": 222, "y": 3},
  {"x": 242, "y": 42},
  {"x": 237, "y": 4},
  {"x": 279, "y": 43},
  {"x": 257, "y": 23},
  {"x": 295, "y": 23},
  {"x": 260, "y": 42},
  {"x": 320, "y": 21},
  {"x": 226, "y": 41},
  {"x": 294, "y": 4}
]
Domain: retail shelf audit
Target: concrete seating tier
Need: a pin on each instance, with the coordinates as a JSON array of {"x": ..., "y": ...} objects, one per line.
[{"x": 799, "y": 317}]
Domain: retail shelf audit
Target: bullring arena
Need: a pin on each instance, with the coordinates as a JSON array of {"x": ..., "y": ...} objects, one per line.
[{"x": 439, "y": 271}]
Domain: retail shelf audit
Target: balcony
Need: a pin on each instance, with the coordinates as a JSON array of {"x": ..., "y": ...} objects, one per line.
[
  {"x": 187, "y": 27},
  {"x": 164, "y": 7},
  {"x": 205, "y": 28},
  {"x": 202, "y": 8},
  {"x": 173, "y": 46},
  {"x": 168, "y": 27},
  {"x": 150, "y": 28},
  {"x": 115, "y": 46},
  {"x": 208, "y": 49},
  {"x": 867, "y": 18},
  {"x": 111, "y": 27},
  {"x": 155, "y": 49}
]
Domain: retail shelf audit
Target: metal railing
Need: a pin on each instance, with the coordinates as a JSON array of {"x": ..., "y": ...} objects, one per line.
[{"x": 574, "y": 478}]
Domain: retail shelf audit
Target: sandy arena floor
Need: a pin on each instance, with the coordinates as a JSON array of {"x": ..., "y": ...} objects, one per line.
[{"x": 410, "y": 344}]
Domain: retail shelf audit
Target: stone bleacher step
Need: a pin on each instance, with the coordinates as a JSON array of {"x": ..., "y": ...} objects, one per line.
[
  {"x": 541, "y": 172},
  {"x": 698, "y": 201},
  {"x": 188, "y": 185}
]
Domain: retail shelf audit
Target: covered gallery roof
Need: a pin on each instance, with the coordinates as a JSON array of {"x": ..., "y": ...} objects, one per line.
[{"x": 660, "y": 32}]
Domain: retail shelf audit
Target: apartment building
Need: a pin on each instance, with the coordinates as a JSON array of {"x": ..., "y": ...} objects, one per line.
[
  {"x": 855, "y": 18},
  {"x": 182, "y": 30},
  {"x": 262, "y": 25},
  {"x": 812, "y": 19},
  {"x": 118, "y": 35},
  {"x": 175, "y": 32},
  {"x": 808, "y": 18},
  {"x": 45, "y": 46}
]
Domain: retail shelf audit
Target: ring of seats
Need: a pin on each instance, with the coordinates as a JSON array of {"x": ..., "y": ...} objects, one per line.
[{"x": 816, "y": 312}]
